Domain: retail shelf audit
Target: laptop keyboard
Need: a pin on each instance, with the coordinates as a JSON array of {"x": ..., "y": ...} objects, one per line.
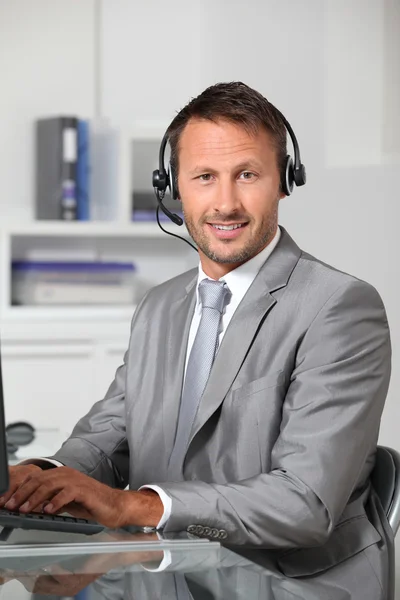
[{"x": 47, "y": 522}]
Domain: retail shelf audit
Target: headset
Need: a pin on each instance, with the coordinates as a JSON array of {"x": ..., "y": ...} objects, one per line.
[{"x": 294, "y": 173}]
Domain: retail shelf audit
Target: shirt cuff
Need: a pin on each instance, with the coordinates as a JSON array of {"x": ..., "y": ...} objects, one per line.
[
  {"x": 166, "y": 561},
  {"x": 41, "y": 462},
  {"x": 165, "y": 499}
]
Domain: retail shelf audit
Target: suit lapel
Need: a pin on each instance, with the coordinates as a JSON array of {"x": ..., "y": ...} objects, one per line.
[
  {"x": 242, "y": 329},
  {"x": 180, "y": 318}
]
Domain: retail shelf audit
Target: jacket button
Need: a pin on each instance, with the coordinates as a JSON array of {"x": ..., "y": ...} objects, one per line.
[
  {"x": 214, "y": 533},
  {"x": 222, "y": 534},
  {"x": 199, "y": 530},
  {"x": 191, "y": 529}
]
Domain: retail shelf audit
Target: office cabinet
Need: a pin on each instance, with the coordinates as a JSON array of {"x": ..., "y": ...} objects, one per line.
[{"x": 52, "y": 381}]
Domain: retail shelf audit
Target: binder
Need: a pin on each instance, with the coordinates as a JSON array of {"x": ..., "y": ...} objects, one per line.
[{"x": 56, "y": 168}]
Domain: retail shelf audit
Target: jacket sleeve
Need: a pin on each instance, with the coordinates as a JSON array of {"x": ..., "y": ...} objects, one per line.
[
  {"x": 330, "y": 421},
  {"x": 97, "y": 445}
]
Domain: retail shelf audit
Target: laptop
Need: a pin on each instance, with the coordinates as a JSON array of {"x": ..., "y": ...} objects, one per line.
[{"x": 10, "y": 520}]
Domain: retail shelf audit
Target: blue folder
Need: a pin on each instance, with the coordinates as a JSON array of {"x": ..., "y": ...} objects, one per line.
[{"x": 82, "y": 172}]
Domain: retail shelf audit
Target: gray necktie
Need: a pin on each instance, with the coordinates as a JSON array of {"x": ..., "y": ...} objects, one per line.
[{"x": 213, "y": 296}]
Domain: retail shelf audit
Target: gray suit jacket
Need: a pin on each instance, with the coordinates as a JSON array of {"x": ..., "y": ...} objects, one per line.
[{"x": 284, "y": 441}]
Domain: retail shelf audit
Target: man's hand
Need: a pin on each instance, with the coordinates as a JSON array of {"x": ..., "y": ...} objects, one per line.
[
  {"x": 65, "y": 489},
  {"x": 17, "y": 476}
]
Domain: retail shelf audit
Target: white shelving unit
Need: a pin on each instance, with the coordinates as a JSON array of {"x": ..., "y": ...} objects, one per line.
[
  {"x": 64, "y": 358},
  {"x": 143, "y": 243}
]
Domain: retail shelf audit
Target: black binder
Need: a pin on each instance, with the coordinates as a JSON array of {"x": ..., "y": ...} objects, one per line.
[{"x": 56, "y": 168}]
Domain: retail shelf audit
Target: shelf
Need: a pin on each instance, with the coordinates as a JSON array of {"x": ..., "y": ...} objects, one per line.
[
  {"x": 93, "y": 229},
  {"x": 142, "y": 243},
  {"x": 68, "y": 313}
]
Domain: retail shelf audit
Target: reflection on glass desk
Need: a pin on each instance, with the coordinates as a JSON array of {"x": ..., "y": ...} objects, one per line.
[{"x": 119, "y": 565}]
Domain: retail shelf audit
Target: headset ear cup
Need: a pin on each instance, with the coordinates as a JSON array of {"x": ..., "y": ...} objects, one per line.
[
  {"x": 159, "y": 181},
  {"x": 287, "y": 182}
]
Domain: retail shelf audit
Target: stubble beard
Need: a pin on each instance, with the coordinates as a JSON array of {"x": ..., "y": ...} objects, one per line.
[{"x": 259, "y": 240}]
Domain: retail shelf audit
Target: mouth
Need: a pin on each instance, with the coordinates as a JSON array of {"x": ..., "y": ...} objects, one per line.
[{"x": 224, "y": 231}]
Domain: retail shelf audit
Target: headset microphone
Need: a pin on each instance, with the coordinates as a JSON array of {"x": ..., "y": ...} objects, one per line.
[
  {"x": 175, "y": 218},
  {"x": 172, "y": 216}
]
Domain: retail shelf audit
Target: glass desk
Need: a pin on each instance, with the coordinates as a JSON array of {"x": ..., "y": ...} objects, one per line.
[{"x": 118, "y": 565}]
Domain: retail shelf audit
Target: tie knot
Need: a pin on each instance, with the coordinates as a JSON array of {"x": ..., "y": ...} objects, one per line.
[{"x": 213, "y": 294}]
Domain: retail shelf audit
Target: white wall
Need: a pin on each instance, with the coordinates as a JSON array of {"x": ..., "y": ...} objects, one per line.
[{"x": 47, "y": 68}]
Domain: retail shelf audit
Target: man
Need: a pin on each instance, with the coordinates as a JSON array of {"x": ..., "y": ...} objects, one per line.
[{"x": 251, "y": 394}]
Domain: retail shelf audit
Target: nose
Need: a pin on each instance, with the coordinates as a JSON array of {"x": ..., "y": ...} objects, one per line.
[{"x": 227, "y": 198}]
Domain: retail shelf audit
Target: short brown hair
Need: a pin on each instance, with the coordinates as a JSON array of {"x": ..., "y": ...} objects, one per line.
[{"x": 235, "y": 102}]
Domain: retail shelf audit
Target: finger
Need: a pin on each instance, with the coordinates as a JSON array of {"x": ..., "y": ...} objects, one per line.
[
  {"x": 12, "y": 488},
  {"x": 21, "y": 499},
  {"x": 23, "y": 492},
  {"x": 60, "y": 500},
  {"x": 17, "y": 476},
  {"x": 50, "y": 481},
  {"x": 15, "y": 483},
  {"x": 42, "y": 495}
]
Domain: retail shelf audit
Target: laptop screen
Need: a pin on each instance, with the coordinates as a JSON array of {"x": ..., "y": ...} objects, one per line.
[{"x": 3, "y": 444}]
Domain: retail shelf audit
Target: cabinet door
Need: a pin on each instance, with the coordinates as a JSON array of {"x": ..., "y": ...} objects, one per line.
[{"x": 49, "y": 385}]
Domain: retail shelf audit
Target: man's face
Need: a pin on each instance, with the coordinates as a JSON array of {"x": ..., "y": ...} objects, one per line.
[{"x": 229, "y": 188}]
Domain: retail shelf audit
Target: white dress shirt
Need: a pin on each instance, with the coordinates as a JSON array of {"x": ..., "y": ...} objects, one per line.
[{"x": 238, "y": 281}]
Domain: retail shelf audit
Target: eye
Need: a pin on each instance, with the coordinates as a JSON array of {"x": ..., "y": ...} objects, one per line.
[
  {"x": 247, "y": 175},
  {"x": 205, "y": 177}
]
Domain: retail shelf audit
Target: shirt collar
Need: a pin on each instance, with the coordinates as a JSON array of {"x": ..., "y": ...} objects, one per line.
[{"x": 240, "y": 279}]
